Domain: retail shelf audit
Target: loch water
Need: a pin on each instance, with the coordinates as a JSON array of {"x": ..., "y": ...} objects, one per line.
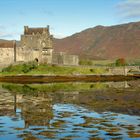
[{"x": 70, "y": 111}]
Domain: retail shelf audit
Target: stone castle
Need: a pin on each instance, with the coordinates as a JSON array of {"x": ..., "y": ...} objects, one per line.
[{"x": 35, "y": 44}]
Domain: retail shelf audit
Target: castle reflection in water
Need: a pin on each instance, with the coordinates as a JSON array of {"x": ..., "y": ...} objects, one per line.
[
  {"x": 35, "y": 110},
  {"x": 36, "y": 106}
]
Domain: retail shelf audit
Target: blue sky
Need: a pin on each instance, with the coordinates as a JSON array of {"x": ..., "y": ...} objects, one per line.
[{"x": 65, "y": 17}]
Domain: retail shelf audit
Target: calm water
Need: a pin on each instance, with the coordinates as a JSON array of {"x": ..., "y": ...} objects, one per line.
[{"x": 78, "y": 111}]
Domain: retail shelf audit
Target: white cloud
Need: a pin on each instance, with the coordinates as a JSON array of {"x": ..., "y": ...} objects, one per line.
[
  {"x": 129, "y": 9},
  {"x": 55, "y": 34},
  {"x": 4, "y": 34}
]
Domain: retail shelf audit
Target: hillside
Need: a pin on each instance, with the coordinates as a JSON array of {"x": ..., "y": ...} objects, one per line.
[
  {"x": 100, "y": 42},
  {"x": 6, "y": 43}
]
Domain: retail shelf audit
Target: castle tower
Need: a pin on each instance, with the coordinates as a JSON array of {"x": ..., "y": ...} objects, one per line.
[{"x": 36, "y": 43}]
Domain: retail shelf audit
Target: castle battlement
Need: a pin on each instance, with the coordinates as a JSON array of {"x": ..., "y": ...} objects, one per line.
[{"x": 35, "y": 31}]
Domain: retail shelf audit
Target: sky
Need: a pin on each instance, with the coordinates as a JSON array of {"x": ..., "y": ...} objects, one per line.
[{"x": 65, "y": 17}]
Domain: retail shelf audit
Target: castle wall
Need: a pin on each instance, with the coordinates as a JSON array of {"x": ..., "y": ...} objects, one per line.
[
  {"x": 46, "y": 59},
  {"x": 70, "y": 60},
  {"x": 27, "y": 55},
  {"x": 35, "y": 44},
  {"x": 31, "y": 55},
  {"x": 6, "y": 56},
  {"x": 30, "y": 42},
  {"x": 65, "y": 59}
]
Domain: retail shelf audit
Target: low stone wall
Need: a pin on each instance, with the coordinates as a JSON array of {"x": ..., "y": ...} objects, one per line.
[
  {"x": 117, "y": 71},
  {"x": 124, "y": 70},
  {"x": 65, "y": 59}
]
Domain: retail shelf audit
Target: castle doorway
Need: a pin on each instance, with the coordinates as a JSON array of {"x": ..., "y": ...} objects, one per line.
[{"x": 36, "y": 60}]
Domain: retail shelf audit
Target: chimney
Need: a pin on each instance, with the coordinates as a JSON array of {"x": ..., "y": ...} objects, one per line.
[
  {"x": 25, "y": 29},
  {"x": 48, "y": 27}
]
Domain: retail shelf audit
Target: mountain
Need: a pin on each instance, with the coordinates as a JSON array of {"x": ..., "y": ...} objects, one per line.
[
  {"x": 100, "y": 42},
  {"x": 6, "y": 43}
]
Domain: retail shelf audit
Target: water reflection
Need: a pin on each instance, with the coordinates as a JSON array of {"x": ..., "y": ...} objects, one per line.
[{"x": 70, "y": 111}]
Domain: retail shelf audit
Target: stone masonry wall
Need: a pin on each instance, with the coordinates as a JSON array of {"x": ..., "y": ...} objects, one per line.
[
  {"x": 38, "y": 46},
  {"x": 27, "y": 55},
  {"x": 29, "y": 42},
  {"x": 123, "y": 70},
  {"x": 7, "y": 56},
  {"x": 65, "y": 59}
]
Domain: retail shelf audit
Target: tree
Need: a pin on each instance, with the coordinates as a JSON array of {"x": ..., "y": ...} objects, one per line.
[{"x": 120, "y": 62}]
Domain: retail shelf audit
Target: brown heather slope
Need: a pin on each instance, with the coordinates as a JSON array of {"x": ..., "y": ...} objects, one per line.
[
  {"x": 120, "y": 41},
  {"x": 6, "y": 43}
]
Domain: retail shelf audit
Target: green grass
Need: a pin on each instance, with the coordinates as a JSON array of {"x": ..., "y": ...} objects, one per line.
[
  {"x": 66, "y": 70},
  {"x": 135, "y": 62},
  {"x": 31, "y": 69},
  {"x": 96, "y": 62},
  {"x": 85, "y": 67},
  {"x": 129, "y": 62},
  {"x": 54, "y": 87}
]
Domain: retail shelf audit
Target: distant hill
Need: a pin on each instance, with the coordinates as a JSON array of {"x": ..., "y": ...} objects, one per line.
[
  {"x": 120, "y": 41},
  {"x": 7, "y": 43}
]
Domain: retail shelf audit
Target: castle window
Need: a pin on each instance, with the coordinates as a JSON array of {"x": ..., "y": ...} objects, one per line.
[
  {"x": 36, "y": 49},
  {"x": 46, "y": 51},
  {"x": 43, "y": 44}
]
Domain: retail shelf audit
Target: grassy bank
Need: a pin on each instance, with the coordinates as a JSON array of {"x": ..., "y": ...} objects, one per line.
[
  {"x": 34, "y": 69},
  {"x": 54, "y": 87}
]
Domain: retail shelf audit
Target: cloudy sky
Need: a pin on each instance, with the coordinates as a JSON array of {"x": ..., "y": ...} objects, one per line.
[{"x": 65, "y": 17}]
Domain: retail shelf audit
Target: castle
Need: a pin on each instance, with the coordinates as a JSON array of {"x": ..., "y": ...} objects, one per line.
[{"x": 35, "y": 44}]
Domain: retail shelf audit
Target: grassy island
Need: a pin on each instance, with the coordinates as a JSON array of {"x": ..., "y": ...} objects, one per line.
[
  {"x": 33, "y": 72},
  {"x": 32, "y": 68}
]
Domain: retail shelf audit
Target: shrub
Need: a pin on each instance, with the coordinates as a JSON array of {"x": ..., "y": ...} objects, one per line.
[
  {"x": 7, "y": 69},
  {"x": 22, "y": 68},
  {"x": 120, "y": 62},
  {"x": 26, "y": 67}
]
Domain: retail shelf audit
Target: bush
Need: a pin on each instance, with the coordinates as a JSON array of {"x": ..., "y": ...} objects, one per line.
[
  {"x": 7, "y": 69},
  {"x": 22, "y": 68},
  {"x": 120, "y": 62},
  {"x": 28, "y": 67}
]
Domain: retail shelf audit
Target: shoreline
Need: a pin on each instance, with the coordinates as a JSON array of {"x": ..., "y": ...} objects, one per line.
[{"x": 28, "y": 79}]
